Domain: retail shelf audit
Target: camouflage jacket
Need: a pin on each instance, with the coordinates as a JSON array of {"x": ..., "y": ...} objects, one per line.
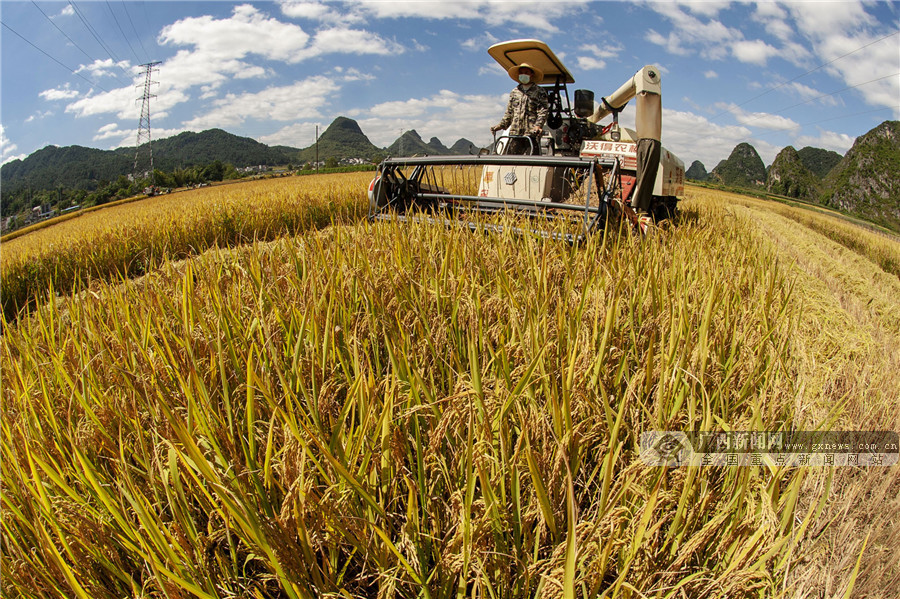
[{"x": 527, "y": 109}]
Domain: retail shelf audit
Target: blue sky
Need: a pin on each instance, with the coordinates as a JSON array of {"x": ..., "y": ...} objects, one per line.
[{"x": 769, "y": 73}]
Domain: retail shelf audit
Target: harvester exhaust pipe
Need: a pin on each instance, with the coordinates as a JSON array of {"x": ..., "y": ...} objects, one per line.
[
  {"x": 584, "y": 103},
  {"x": 648, "y": 122}
]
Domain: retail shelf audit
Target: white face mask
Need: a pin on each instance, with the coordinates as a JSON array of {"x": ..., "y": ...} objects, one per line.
[{"x": 525, "y": 79}]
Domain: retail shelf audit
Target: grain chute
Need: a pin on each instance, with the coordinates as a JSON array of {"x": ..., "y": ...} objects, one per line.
[{"x": 584, "y": 173}]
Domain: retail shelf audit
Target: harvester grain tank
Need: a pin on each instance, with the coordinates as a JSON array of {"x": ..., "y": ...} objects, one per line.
[{"x": 585, "y": 172}]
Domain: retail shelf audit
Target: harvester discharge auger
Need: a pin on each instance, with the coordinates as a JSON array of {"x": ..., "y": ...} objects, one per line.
[{"x": 583, "y": 175}]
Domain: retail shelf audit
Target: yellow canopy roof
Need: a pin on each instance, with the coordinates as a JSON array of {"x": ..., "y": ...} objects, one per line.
[{"x": 515, "y": 52}]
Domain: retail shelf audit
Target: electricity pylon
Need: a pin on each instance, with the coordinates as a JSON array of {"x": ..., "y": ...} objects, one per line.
[{"x": 143, "y": 133}]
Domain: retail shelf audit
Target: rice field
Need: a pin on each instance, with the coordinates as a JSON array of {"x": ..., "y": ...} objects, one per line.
[
  {"x": 131, "y": 239},
  {"x": 304, "y": 404}
]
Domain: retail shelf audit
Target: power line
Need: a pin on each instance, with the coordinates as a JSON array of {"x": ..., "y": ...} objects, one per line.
[
  {"x": 816, "y": 122},
  {"x": 133, "y": 28},
  {"x": 116, "y": 19},
  {"x": 91, "y": 58},
  {"x": 92, "y": 31},
  {"x": 694, "y": 136},
  {"x": 821, "y": 96},
  {"x": 112, "y": 54},
  {"x": 773, "y": 88},
  {"x": 73, "y": 71}
]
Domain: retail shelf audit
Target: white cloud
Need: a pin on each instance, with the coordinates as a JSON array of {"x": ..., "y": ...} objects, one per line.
[
  {"x": 121, "y": 102},
  {"x": 596, "y": 56},
  {"x": 7, "y": 148},
  {"x": 104, "y": 68},
  {"x": 342, "y": 40},
  {"x": 707, "y": 8},
  {"x": 446, "y": 115},
  {"x": 670, "y": 43},
  {"x": 251, "y": 72},
  {"x": 808, "y": 93},
  {"x": 842, "y": 36},
  {"x": 775, "y": 20},
  {"x": 690, "y": 34},
  {"x": 221, "y": 47},
  {"x": 351, "y": 74},
  {"x": 298, "y": 135},
  {"x": 753, "y": 51},
  {"x": 492, "y": 68},
  {"x": 711, "y": 74},
  {"x": 762, "y": 120},
  {"x": 847, "y": 38},
  {"x": 694, "y": 137},
  {"x": 830, "y": 18},
  {"x": 589, "y": 63},
  {"x": 299, "y": 101},
  {"x": 335, "y": 13},
  {"x": 219, "y": 51},
  {"x": 39, "y": 115},
  {"x": 63, "y": 93},
  {"x": 120, "y": 137},
  {"x": 829, "y": 140},
  {"x": 304, "y": 10},
  {"x": 128, "y": 137},
  {"x": 713, "y": 40},
  {"x": 4, "y": 157},
  {"x": 539, "y": 16},
  {"x": 533, "y": 14},
  {"x": 399, "y": 108},
  {"x": 67, "y": 11},
  {"x": 479, "y": 43},
  {"x": 247, "y": 31}
]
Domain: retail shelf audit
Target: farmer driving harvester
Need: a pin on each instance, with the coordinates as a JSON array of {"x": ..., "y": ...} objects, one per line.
[{"x": 526, "y": 111}]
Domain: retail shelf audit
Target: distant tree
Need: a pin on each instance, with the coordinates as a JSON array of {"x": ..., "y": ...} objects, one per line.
[
  {"x": 163, "y": 179},
  {"x": 182, "y": 177},
  {"x": 230, "y": 172},
  {"x": 331, "y": 162},
  {"x": 214, "y": 171}
]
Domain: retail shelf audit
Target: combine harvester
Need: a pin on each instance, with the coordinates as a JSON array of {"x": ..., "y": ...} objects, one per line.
[{"x": 585, "y": 174}]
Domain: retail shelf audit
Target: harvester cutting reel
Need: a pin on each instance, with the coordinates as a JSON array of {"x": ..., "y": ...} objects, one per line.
[{"x": 581, "y": 191}]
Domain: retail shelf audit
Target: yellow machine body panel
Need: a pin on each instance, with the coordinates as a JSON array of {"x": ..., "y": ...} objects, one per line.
[{"x": 533, "y": 183}]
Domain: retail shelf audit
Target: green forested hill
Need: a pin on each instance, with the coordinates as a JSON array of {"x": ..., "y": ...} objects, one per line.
[
  {"x": 77, "y": 167},
  {"x": 191, "y": 149},
  {"x": 818, "y": 161},
  {"x": 412, "y": 144},
  {"x": 789, "y": 176},
  {"x": 697, "y": 172},
  {"x": 463, "y": 146},
  {"x": 743, "y": 168},
  {"x": 71, "y": 167},
  {"x": 342, "y": 139},
  {"x": 866, "y": 182}
]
